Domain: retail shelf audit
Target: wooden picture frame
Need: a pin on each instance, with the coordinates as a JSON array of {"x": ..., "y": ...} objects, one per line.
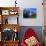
[{"x": 5, "y": 12}]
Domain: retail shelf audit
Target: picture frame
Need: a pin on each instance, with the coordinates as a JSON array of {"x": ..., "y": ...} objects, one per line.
[
  {"x": 29, "y": 12},
  {"x": 13, "y": 12},
  {"x": 5, "y": 12}
]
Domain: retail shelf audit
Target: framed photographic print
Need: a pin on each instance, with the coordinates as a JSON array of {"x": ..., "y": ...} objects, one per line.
[
  {"x": 5, "y": 12},
  {"x": 29, "y": 13},
  {"x": 12, "y": 12}
]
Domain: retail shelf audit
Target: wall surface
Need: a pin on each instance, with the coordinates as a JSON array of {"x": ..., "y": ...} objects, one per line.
[
  {"x": 7, "y": 3},
  {"x": 38, "y": 21}
]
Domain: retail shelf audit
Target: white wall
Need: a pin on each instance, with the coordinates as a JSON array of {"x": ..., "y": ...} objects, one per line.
[
  {"x": 7, "y": 3},
  {"x": 27, "y": 4},
  {"x": 12, "y": 20},
  {"x": 32, "y": 4}
]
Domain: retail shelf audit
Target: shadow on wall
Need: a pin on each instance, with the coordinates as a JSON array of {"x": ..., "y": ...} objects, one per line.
[{"x": 37, "y": 29}]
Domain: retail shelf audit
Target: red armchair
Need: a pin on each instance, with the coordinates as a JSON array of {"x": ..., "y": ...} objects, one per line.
[{"x": 28, "y": 34}]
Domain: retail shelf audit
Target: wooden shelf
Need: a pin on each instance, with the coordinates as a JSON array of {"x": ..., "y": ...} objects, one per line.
[
  {"x": 3, "y": 8},
  {"x": 9, "y": 43},
  {"x": 9, "y": 26},
  {"x": 14, "y": 9},
  {"x": 10, "y": 9}
]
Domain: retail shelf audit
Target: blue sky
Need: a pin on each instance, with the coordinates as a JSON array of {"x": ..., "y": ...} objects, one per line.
[{"x": 32, "y": 10}]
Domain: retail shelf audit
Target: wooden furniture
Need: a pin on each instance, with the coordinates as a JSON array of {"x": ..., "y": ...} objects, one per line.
[
  {"x": 8, "y": 11},
  {"x": 5, "y": 12},
  {"x": 10, "y": 43},
  {"x": 0, "y": 43},
  {"x": 10, "y": 26}
]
